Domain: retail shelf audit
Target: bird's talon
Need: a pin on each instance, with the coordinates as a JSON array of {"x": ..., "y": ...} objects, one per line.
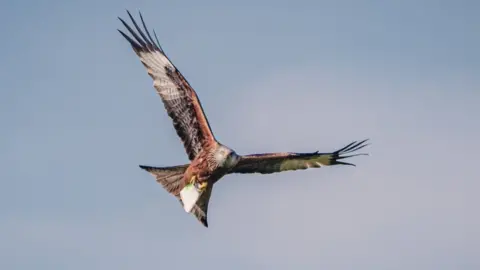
[{"x": 202, "y": 186}]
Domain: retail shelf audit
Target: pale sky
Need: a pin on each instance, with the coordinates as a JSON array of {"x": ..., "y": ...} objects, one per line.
[{"x": 79, "y": 114}]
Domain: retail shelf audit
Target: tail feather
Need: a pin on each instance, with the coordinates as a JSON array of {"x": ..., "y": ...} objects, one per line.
[
  {"x": 200, "y": 210},
  {"x": 169, "y": 177}
]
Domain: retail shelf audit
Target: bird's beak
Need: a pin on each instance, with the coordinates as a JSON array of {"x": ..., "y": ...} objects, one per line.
[{"x": 236, "y": 158}]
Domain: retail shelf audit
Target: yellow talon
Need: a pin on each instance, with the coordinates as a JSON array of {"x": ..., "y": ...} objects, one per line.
[
  {"x": 192, "y": 180},
  {"x": 202, "y": 186}
]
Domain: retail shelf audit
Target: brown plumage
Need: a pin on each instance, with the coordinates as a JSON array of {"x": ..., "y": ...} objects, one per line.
[
  {"x": 179, "y": 99},
  {"x": 209, "y": 159},
  {"x": 280, "y": 162}
]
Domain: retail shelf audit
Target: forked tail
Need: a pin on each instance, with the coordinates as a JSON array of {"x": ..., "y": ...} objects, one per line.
[{"x": 171, "y": 178}]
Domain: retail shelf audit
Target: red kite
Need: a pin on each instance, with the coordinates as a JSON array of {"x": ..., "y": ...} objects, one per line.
[{"x": 209, "y": 159}]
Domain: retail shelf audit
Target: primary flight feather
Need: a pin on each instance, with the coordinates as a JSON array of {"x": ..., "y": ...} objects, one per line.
[{"x": 210, "y": 160}]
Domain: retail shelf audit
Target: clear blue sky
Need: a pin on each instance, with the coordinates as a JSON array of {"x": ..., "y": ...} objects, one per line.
[{"x": 78, "y": 113}]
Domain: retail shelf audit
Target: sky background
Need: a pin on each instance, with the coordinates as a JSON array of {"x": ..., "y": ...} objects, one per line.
[{"x": 78, "y": 113}]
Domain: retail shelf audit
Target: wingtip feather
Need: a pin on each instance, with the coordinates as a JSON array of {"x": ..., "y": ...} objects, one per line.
[
  {"x": 348, "y": 149},
  {"x": 143, "y": 40}
]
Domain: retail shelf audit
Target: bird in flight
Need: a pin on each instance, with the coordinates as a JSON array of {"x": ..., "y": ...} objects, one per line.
[{"x": 210, "y": 160}]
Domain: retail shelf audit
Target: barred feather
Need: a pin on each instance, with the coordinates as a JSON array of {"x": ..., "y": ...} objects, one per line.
[
  {"x": 179, "y": 98},
  {"x": 278, "y": 162}
]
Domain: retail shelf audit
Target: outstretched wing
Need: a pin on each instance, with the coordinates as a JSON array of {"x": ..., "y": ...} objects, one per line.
[
  {"x": 180, "y": 100},
  {"x": 279, "y": 162}
]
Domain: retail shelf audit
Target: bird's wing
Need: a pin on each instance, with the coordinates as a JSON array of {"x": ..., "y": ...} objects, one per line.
[
  {"x": 180, "y": 100},
  {"x": 279, "y": 162},
  {"x": 200, "y": 209}
]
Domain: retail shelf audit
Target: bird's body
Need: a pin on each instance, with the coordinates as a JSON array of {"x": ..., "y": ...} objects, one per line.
[
  {"x": 209, "y": 159},
  {"x": 210, "y": 165}
]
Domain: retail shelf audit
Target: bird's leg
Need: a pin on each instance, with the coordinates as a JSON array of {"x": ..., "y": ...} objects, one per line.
[
  {"x": 193, "y": 179},
  {"x": 202, "y": 186}
]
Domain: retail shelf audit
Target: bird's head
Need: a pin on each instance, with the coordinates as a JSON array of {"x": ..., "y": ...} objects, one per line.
[{"x": 226, "y": 156}]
